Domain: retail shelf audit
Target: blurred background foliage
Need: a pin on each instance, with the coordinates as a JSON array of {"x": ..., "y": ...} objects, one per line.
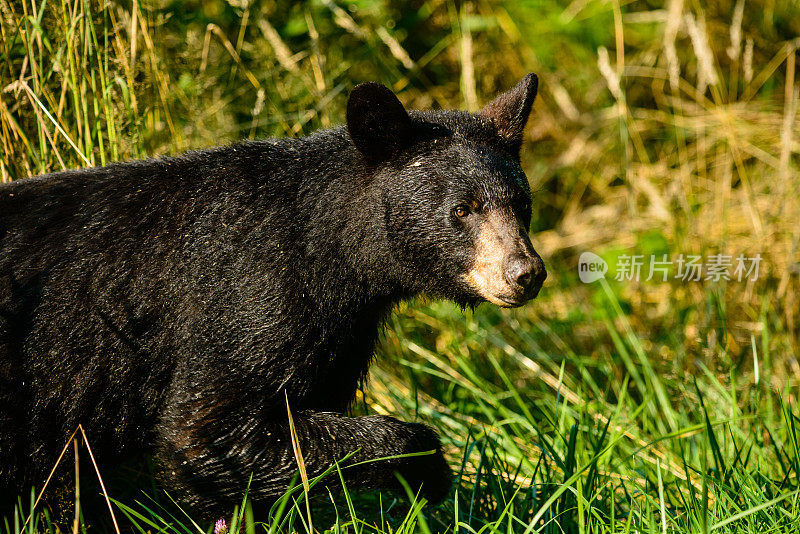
[{"x": 660, "y": 128}]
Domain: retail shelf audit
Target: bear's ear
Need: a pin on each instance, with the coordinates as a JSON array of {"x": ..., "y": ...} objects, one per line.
[
  {"x": 377, "y": 122},
  {"x": 509, "y": 111}
]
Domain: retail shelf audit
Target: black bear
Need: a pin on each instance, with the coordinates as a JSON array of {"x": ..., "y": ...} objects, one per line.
[{"x": 174, "y": 305}]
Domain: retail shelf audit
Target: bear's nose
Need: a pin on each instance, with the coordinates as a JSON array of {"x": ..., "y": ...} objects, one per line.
[{"x": 525, "y": 272}]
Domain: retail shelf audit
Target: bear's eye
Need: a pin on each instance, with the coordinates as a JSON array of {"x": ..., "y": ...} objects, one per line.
[{"x": 461, "y": 211}]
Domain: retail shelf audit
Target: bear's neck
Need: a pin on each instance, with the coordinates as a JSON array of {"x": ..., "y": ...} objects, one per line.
[{"x": 353, "y": 269}]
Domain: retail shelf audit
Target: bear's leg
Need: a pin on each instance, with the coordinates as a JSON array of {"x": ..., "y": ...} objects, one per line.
[{"x": 208, "y": 462}]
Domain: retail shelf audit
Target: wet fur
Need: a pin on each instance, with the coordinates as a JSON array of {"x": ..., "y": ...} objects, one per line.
[{"x": 172, "y": 305}]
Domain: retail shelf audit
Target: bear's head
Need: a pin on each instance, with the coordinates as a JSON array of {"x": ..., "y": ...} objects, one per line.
[{"x": 456, "y": 202}]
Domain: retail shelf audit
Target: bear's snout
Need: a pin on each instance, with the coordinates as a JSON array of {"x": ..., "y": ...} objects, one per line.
[
  {"x": 506, "y": 270},
  {"x": 525, "y": 274}
]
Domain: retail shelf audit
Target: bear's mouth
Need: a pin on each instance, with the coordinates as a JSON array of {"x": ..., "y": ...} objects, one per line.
[
  {"x": 510, "y": 303},
  {"x": 515, "y": 301}
]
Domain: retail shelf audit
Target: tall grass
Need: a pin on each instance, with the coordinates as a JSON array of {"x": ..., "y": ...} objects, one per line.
[{"x": 607, "y": 407}]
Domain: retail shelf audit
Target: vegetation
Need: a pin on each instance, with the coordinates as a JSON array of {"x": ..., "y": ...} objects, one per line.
[{"x": 615, "y": 406}]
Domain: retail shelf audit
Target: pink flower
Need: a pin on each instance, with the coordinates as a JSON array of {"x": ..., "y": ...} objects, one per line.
[{"x": 220, "y": 527}]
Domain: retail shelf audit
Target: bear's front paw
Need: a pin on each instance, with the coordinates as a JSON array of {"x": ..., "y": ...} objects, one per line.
[{"x": 429, "y": 472}]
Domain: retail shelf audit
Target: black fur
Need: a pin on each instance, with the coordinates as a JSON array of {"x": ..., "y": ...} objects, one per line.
[{"x": 171, "y": 305}]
